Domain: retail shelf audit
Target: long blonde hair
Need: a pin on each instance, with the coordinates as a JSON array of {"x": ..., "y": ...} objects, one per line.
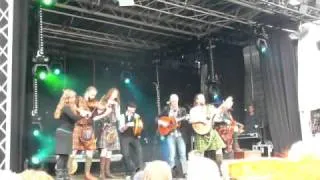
[
  {"x": 65, "y": 100},
  {"x": 107, "y": 96}
]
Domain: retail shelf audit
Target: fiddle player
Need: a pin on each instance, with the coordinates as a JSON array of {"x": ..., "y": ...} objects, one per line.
[{"x": 83, "y": 138}]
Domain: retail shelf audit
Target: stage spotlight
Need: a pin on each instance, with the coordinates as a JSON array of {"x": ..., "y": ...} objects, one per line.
[
  {"x": 56, "y": 68},
  {"x": 124, "y": 2},
  {"x": 36, "y": 132},
  {"x": 262, "y": 45},
  {"x": 294, "y": 2},
  {"x": 41, "y": 71},
  {"x": 48, "y": 3},
  {"x": 126, "y": 77},
  {"x": 35, "y": 160},
  {"x": 127, "y": 80}
]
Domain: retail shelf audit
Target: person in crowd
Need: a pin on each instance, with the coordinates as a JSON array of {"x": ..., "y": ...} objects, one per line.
[
  {"x": 202, "y": 168},
  {"x": 157, "y": 170}
]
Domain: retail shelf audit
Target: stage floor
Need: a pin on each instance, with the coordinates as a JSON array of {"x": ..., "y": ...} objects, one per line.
[{"x": 120, "y": 176}]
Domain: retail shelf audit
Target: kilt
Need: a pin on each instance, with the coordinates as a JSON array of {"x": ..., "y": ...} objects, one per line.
[
  {"x": 108, "y": 129},
  {"x": 77, "y": 144},
  {"x": 210, "y": 141},
  {"x": 226, "y": 133}
]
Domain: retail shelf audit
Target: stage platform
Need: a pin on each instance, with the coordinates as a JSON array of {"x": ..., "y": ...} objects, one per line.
[{"x": 120, "y": 176}]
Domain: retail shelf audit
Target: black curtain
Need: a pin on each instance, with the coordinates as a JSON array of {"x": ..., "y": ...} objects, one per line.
[
  {"x": 19, "y": 67},
  {"x": 280, "y": 71}
]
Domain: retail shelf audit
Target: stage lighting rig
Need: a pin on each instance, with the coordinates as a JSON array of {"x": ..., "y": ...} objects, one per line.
[
  {"x": 124, "y": 2},
  {"x": 126, "y": 77},
  {"x": 262, "y": 45},
  {"x": 40, "y": 58},
  {"x": 41, "y": 71},
  {"x": 48, "y": 3}
]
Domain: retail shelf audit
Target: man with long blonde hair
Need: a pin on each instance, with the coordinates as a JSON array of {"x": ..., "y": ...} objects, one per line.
[{"x": 66, "y": 113}]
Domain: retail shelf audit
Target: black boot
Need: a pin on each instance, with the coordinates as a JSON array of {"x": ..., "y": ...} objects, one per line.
[
  {"x": 219, "y": 159},
  {"x": 59, "y": 174},
  {"x": 66, "y": 174}
]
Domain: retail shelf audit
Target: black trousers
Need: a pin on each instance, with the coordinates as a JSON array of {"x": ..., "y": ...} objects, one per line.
[
  {"x": 132, "y": 153},
  {"x": 62, "y": 161}
]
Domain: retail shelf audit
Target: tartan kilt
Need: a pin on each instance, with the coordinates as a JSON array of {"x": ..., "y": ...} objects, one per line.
[
  {"x": 226, "y": 133},
  {"x": 77, "y": 144},
  {"x": 210, "y": 141},
  {"x": 104, "y": 132}
]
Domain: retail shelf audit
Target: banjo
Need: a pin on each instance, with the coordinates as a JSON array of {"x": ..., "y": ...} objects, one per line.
[{"x": 205, "y": 125}]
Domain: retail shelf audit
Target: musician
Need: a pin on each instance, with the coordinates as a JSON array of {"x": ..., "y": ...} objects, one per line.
[
  {"x": 250, "y": 121},
  {"x": 128, "y": 139},
  {"x": 83, "y": 134},
  {"x": 108, "y": 139},
  {"x": 227, "y": 127},
  {"x": 66, "y": 112},
  {"x": 175, "y": 139},
  {"x": 211, "y": 143}
]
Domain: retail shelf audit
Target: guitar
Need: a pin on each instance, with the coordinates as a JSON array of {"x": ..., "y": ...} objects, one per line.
[{"x": 173, "y": 123}]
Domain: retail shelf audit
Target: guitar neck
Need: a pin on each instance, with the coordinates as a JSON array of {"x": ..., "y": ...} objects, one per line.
[{"x": 181, "y": 118}]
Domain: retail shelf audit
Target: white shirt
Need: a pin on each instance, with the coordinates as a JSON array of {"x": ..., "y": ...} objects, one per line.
[
  {"x": 122, "y": 120},
  {"x": 201, "y": 113}
]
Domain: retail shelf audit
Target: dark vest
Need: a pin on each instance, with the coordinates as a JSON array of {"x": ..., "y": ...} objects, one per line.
[{"x": 129, "y": 131}]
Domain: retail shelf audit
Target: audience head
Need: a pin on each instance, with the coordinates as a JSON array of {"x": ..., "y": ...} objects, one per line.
[
  {"x": 35, "y": 175},
  {"x": 202, "y": 168},
  {"x": 157, "y": 170}
]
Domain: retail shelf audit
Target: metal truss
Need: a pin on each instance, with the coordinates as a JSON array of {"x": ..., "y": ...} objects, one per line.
[
  {"x": 303, "y": 13},
  {"x": 161, "y": 21},
  {"x": 97, "y": 37},
  {"x": 151, "y": 24}
]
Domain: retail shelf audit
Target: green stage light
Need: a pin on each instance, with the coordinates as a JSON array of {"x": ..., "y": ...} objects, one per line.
[
  {"x": 36, "y": 132},
  {"x": 127, "y": 81},
  {"x": 48, "y": 3},
  {"x": 56, "y": 71},
  {"x": 41, "y": 71},
  {"x": 35, "y": 160},
  {"x": 42, "y": 75}
]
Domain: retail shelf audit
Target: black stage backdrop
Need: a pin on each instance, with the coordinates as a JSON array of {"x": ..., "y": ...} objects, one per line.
[
  {"x": 19, "y": 62},
  {"x": 229, "y": 63},
  {"x": 279, "y": 68}
]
